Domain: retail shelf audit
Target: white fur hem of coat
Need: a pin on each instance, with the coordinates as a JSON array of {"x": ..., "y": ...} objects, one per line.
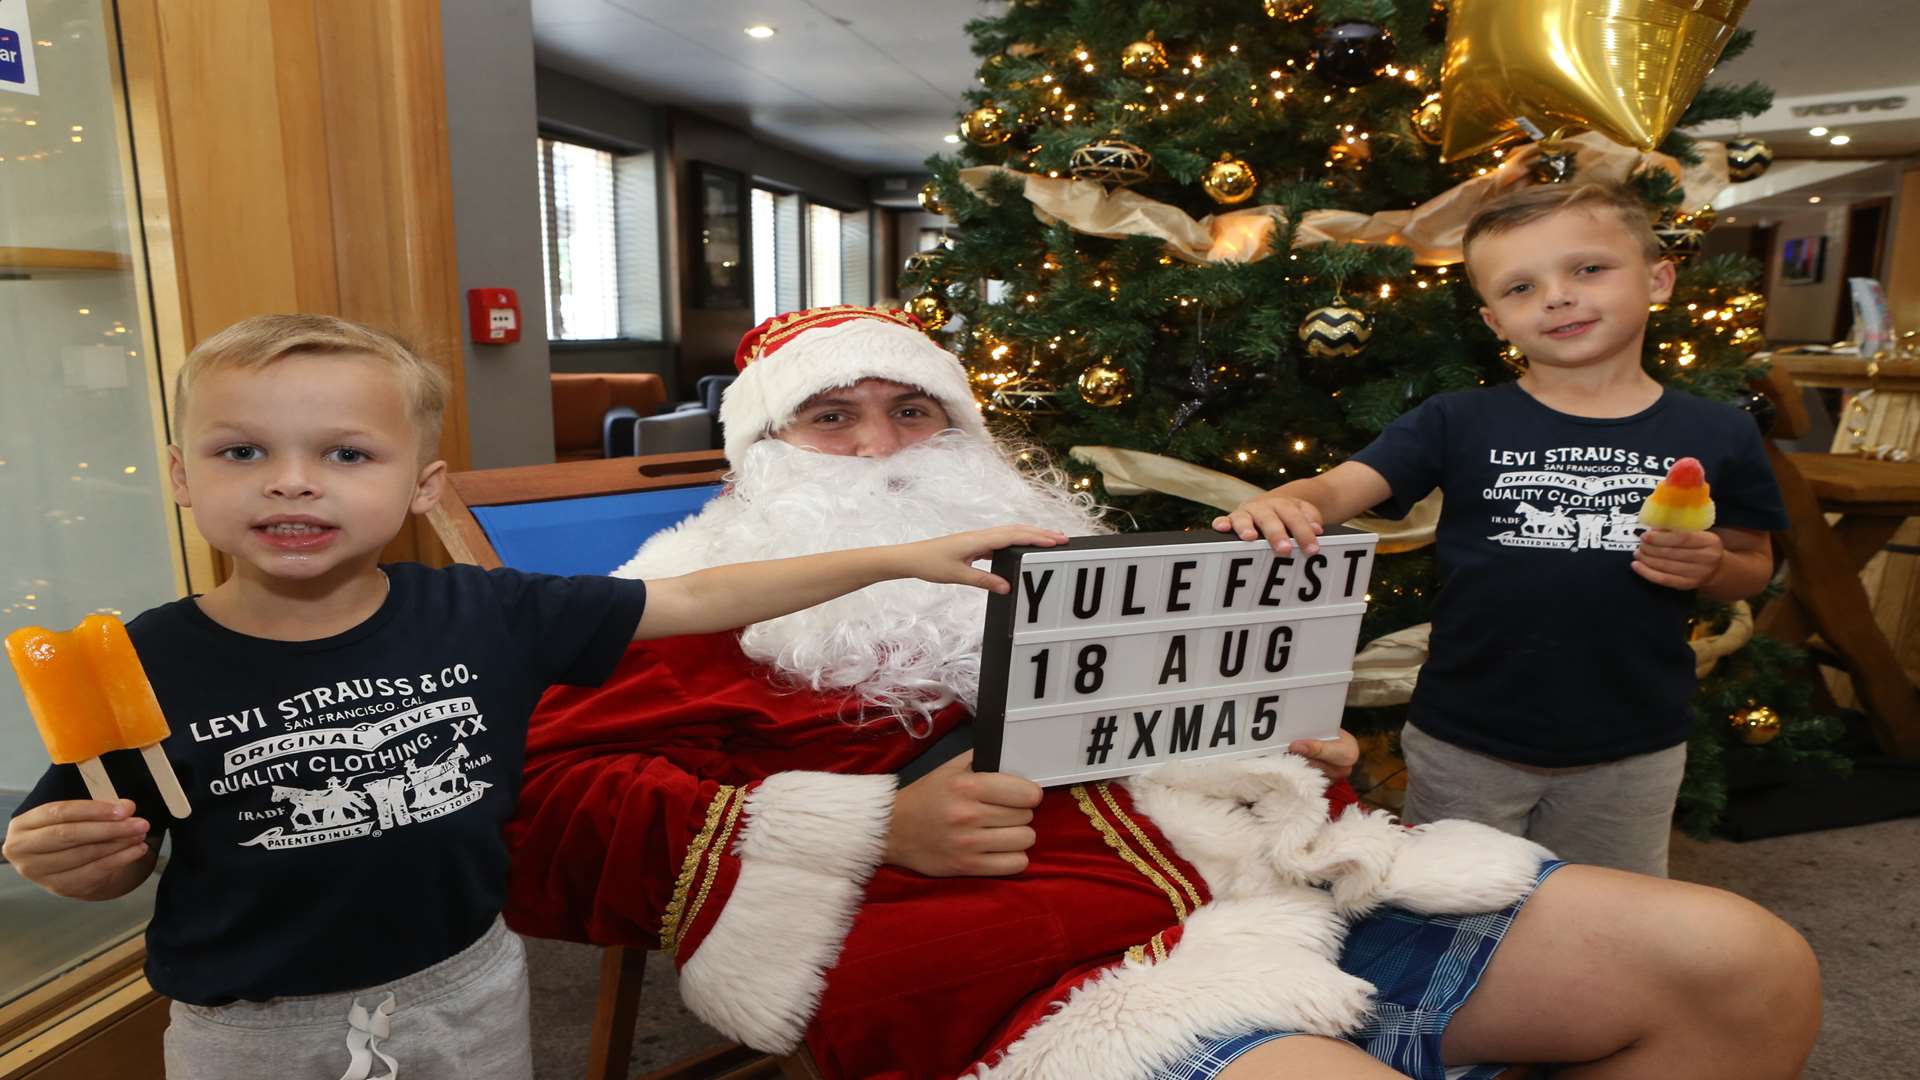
[{"x": 810, "y": 842}]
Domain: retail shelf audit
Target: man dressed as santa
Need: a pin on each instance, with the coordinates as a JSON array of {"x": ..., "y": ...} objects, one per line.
[{"x": 736, "y": 800}]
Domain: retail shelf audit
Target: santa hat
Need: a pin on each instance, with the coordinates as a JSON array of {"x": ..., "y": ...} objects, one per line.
[{"x": 790, "y": 358}]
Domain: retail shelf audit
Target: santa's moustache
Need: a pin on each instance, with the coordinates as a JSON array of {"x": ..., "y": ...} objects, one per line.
[{"x": 907, "y": 647}]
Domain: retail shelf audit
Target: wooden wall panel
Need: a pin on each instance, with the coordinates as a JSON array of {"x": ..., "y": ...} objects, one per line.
[{"x": 294, "y": 158}]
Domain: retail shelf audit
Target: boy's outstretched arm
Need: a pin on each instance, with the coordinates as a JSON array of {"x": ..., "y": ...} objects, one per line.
[
  {"x": 724, "y": 597},
  {"x": 1299, "y": 508}
]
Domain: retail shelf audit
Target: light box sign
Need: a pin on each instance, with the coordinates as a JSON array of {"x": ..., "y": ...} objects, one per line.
[
  {"x": 1113, "y": 653},
  {"x": 16, "y": 49}
]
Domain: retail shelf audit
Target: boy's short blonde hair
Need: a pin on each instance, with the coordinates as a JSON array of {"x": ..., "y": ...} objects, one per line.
[
  {"x": 254, "y": 343},
  {"x": 1529, "y": 204}
]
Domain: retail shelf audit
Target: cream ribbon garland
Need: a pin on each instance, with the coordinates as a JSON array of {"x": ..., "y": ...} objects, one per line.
[
  {"x": 1132, "y": 472},
  {"x": 1384, "y": 672},
  {"x": 1433, "y": 229}
]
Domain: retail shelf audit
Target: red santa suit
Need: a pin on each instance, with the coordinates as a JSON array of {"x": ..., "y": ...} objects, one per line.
[{"x": 702, "y": 804}]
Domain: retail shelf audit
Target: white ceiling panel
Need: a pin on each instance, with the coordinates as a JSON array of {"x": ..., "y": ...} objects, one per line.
[{"x": 873, "y": 85}]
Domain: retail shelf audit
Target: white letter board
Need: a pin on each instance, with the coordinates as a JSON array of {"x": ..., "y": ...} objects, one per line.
[{"x": 1113, "y": 653}]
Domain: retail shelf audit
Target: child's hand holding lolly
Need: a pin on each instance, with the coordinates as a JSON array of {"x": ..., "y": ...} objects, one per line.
[
  {"x": 88, "y": 695},
  {"x": 1677, "y": 550}
]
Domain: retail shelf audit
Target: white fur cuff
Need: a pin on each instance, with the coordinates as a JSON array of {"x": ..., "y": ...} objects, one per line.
[
  {"x": 810, "y": 842},
  {"x": 823, "y": 822},
  {"x": 758, "y": 975}
]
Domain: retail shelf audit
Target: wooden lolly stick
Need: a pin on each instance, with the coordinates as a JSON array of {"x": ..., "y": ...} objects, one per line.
[
  {"x": 95, "y": 774},
  {"x": 164, "y": 779}
]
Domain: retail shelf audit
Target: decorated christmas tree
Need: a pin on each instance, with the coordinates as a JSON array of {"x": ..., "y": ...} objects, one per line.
[{"x": 1201, "y": 248}]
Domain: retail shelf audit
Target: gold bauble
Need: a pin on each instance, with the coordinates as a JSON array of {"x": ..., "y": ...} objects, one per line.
[
  {"x": 1287, "y": 10},
  {"x": 1230, "y": 181},
  {"x": 1425, "y": 120},
  {"x": 1112, "y": 160},
  {"x": 1349, "y": 154},
  {"x": 1756, "y": 724},
  {"x": 930, "y": 199},
  {"x": 1144, "y": 59},
  {"x": 930, "y": 309},
  {"x": 1336, "y": 331},
  {"x": 1680, "y": 233},
  {"x": 1024, "y": 397},
  {"x": 1624, "y": 68},
  {"x": 1555, "y": 165},
  {"x": 986, "y": 126},
  {"x": 1105, "y": 384},
  {"x": 1746, "y": 309}
]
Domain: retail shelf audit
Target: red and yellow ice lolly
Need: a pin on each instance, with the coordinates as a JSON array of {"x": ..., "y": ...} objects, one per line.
[
  {"x": 1681, "y": 501},
  {"x": 88, "y": 695}
]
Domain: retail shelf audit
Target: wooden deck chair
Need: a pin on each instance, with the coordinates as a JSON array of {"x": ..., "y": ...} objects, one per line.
[
  {"x": 1824, "y": 595},
  {"x": 588, "y": 517}
]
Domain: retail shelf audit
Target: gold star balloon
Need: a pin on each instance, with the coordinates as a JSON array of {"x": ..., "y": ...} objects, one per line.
[{"x": 1624, "y": 68}]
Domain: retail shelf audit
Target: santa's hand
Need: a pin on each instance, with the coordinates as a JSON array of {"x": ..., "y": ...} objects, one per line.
[
  {"x": 1335, "y": 757},
  {"x": 954, "y": 822},
  {"x": 948, "y": 559}
]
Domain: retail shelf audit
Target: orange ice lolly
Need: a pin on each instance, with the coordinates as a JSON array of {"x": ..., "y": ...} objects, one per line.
[
  {"x": 1682, "y": 501},
  {"x": 88, "y": 695}
]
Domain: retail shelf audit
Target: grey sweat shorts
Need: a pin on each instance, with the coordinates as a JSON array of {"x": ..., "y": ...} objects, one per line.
[{"x": 464, "y": 1018}]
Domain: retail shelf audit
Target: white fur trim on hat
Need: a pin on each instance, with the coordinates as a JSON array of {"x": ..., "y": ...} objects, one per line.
[{"x": 770, "y": 390}]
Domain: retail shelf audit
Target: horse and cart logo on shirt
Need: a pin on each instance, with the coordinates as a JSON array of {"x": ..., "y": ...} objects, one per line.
[
  {"x": 1587, "y": 513},
  {"x": 340, "y": 811}
]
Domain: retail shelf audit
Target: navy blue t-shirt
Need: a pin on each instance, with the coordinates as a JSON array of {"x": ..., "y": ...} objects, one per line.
[
  {"x": 1547, "y": 648},
  {"x": 348, "y": 793}
]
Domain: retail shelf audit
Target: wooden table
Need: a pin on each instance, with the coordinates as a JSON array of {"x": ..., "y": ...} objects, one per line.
[{"x": 1849, "y": 372}]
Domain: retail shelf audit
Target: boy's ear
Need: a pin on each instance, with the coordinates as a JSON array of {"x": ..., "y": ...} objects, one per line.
[
  {"x": 1663, "y": 274},
  {"x": 177, "y": 477},
  {"x": 427, "y": 489},
  {"x": 1493, "y": 324}
]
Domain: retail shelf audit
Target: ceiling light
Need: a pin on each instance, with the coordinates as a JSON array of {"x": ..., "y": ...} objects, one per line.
[
  {"x": 1813, "y": 198},
  {"x": 952, "y": 138},
  {"x": 1841, "y": 140},
  {"x": 761, "y": 32},
  {"x": 1731, "y": 219},
  {"x": 1816, "y": 132}
]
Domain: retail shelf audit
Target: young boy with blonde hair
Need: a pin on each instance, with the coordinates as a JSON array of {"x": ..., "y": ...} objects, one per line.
[
  {"x": 1554, "y": 701},
  {"x": 351, "y": 734}
]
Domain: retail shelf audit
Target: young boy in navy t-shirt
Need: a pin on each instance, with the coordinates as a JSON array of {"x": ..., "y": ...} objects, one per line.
[
  {"x": 350, "y": 734},
  {"x": 1554, "y": 701}
]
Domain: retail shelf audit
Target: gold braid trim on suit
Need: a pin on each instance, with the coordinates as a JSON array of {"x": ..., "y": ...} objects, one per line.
[
  {"x": 1165, "y": 864},
  {"x": 1119, "y": 845},
  {"x": 670, "y": 923}
]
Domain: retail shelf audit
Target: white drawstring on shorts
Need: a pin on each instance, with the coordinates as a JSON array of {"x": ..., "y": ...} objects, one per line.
[{"x": 365, "y": 1032}]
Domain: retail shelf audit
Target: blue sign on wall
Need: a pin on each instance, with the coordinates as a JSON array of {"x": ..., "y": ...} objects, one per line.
[{"x": 13, "y": 68}]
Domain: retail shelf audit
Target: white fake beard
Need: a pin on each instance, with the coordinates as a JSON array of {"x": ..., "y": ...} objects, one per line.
[{"x": 909, "y": 647}]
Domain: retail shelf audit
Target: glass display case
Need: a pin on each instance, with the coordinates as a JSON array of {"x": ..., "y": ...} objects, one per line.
[{"x": 84, "y": 505}]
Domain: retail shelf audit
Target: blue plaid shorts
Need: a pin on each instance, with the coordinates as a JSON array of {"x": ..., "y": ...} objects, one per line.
[{"x": 1423, "y": 967}]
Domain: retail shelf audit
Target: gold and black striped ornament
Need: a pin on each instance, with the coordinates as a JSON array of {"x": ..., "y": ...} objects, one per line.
[
  {"x": 1337, "y": 331},
  {"x": 1747, "y": 158}
]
